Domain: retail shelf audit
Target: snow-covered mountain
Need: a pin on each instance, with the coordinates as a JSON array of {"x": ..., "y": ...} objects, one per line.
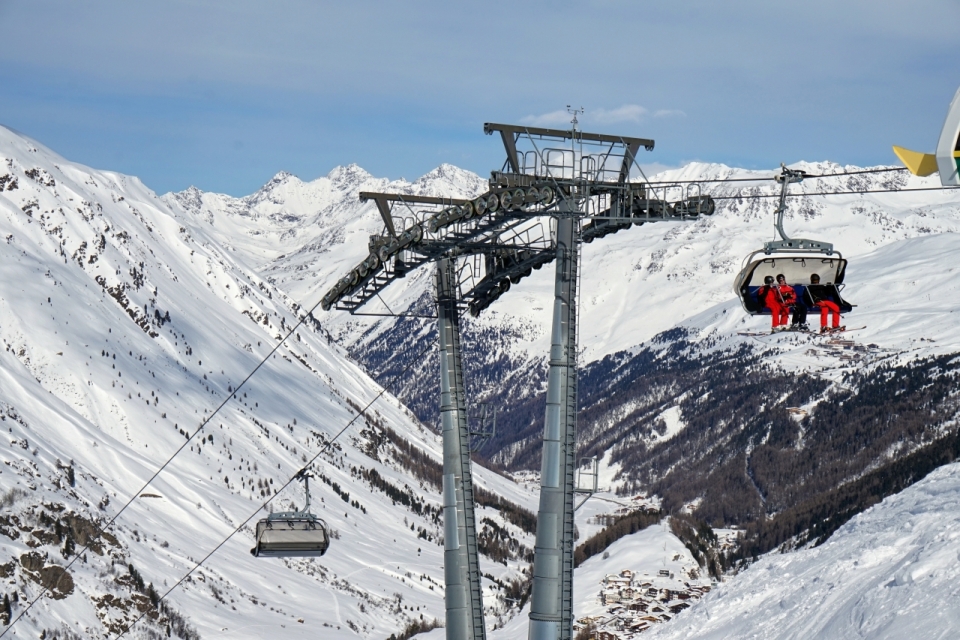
[
  {"x": 109, "y": 291},
  {"x": 658, "y": 299},
  {"x": 301, "y": 235},
  {"x": 123, "y": 328},
  {"x": 636, "y": 284},
  {"x": 678, "y": 269}
]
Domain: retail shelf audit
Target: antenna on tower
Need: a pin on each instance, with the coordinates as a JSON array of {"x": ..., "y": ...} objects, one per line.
[{"x": 574, "y": 122}]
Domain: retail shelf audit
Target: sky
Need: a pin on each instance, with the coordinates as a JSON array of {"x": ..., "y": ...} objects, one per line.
[{"x": 224, "y": 94}]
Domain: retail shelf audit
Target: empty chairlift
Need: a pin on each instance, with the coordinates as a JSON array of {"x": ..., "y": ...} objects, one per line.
[{"x": 290, "y": 534}]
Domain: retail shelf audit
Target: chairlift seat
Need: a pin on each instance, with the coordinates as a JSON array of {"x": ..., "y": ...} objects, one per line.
[
  {"x": 797, "y": 269},
  {"x": 755, "y": 306},
  {"x": 286, "y": 536}
]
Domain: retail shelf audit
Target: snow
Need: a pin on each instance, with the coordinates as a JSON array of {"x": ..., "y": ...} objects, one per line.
[
  {"x": 891, "y": 572},
  {"x": 90, "y": 379},
  {"x": 646, "y": 553},
  {"x": 673, "y": 423}
]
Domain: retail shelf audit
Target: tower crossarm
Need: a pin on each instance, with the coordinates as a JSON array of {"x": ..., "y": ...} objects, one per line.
[
  {"x": 534, "y": 151},
  {"x": 560, "y": 135},
  {"x": 422, "y": 229}
]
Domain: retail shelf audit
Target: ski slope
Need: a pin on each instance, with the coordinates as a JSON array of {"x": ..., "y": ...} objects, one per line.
[{"x": 891, "y": 572}]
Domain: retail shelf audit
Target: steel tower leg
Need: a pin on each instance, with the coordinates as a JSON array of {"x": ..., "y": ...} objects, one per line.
[
  {"x": 464, "y": 603},
  {"x": 551, "y": 609}
]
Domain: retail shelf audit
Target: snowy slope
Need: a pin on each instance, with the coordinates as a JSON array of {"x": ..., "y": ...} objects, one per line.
[
  {"x": 891, "y": 572},
  {"x": 93, "y": 261},
  {"x": 98, "y": 384},
  {"x": 645, "y": 553}
]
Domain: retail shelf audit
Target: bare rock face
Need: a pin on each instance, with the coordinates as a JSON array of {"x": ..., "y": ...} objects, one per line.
[{"x": 53, "y": 577}]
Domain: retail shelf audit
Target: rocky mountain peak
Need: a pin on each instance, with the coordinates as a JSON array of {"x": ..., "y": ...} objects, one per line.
[
  {"x": 191, "y": 199},
  {"x": 349, "y": 176}
]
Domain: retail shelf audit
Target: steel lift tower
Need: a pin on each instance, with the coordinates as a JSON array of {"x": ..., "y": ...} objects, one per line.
[
  {"x": 579, "y": 184},
  {"x": 461, "y": 567},
  {"x": 551, "y": 608},
  {"x": 523, "y": 245}
]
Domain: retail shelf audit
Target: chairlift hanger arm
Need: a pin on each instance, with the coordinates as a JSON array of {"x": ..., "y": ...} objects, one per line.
[{"x": 786, "y": 177}]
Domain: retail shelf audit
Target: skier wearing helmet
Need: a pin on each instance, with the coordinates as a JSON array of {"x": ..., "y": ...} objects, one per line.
[
  {"x": 789, "y": 296},
  {"x": 769, "y": 296}
]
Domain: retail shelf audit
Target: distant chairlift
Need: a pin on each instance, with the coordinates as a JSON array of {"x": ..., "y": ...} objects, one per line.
[
  {"x": 291, "y": 534},
  {"x": 797, "y": 259}
]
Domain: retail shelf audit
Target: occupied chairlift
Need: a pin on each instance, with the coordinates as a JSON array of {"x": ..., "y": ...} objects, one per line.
[
  {"x": 796, "y": 258},
  {"x": 290, "y": 534}
]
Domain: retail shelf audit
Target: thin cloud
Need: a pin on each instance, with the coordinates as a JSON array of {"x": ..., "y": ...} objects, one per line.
[
  {"x": 669, "y": 113},
  {"x": 626, "y": 113},
  {"x": 601, "y": 116},
  {"x": 551, "y": 119}
]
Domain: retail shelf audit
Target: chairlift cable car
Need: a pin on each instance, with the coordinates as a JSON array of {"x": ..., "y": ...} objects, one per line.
[
  {"x": 301, "y": 533},
  {"x": 292, "y": 534},
  {"x": 796, "y": 258}
]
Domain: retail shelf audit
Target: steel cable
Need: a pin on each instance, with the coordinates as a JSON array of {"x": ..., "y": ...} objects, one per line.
[
  {"x": 326, "y": 446},
  {"x": 773, "y": 177},
  {"x": 44, "y": 590},
  {"x": 832, "y": 193}
]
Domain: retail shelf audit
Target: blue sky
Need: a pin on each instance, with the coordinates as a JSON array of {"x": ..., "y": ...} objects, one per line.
[{"x": 223, "y": 94}]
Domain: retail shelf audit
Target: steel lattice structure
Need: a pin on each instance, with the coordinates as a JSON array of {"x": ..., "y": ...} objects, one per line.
[{"x": 555, "y": 190}]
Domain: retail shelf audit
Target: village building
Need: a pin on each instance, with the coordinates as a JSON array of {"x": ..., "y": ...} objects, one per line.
[{"x": 634, "y": 602}]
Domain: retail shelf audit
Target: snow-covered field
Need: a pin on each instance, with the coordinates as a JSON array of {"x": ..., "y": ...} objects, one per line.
[{"x": 891, "y": 572}]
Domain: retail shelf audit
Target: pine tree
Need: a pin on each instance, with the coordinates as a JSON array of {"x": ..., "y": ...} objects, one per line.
[{"x": 6, "y": 612}]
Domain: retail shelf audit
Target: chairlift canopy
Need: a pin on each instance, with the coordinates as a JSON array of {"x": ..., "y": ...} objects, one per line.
[
  {"x": 282, "y": 536},
  {"x": 797, "y": 270},
  {"x": 292, "y": 534}
]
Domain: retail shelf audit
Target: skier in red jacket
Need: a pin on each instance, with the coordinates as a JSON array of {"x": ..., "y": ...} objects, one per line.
[
  {"x": 789, "y": 296},
  {"x": 769, "y": 295}
]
